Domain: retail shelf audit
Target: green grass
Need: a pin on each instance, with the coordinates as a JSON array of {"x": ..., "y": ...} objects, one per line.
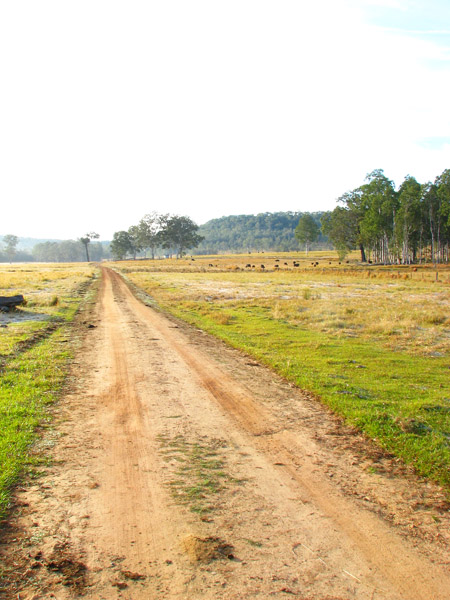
[
  {"x": 28, "y": 384},
  {"x": 199, "y": 473},
  {"x": 33, "y": 362},
  {"x": 397, "y": 396}
]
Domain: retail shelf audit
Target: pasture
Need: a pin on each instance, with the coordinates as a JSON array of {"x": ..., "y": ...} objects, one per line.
[
  {"x": 373, "y": 343},
  {"x": 34, "y": 351}
]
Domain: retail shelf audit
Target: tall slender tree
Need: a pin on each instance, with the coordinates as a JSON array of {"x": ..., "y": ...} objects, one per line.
[{"x": 86, "y": 240}]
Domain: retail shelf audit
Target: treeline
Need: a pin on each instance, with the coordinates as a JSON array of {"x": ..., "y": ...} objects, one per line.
[
  {"x": 156, "y": 232},
  {"x": 51, "y": 251},
  {"x": 19, "y": 256},
  {"x": 404, "y": 226},
  {"x": 69, "y": 251},
  {"x": 253, "y": 233}
]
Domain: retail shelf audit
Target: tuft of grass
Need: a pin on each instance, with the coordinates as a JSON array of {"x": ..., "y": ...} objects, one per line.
[{"x": 199, "y": 473}]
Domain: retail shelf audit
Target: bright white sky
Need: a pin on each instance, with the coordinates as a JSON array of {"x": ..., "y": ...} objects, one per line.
[{"x": 112, "y": 109}]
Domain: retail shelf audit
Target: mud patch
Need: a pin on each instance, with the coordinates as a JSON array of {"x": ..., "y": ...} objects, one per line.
[
  {"x": 207, "y": 549},
  {"x": 73, "y": 572}
]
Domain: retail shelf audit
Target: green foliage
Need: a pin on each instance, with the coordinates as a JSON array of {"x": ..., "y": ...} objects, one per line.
[
  {"x": 157, "y": 231},
  {"x": 67, "y": 251},
  {"x": 180, "y": 233},
  {"x": 341, "y": 228},
  {"x": 86, "y": 240},
  {"x": 254, "y": 233},
  {"x": 307, "y": 231},
  {"x": 121, "y": 244},
  {"x": 10, "y": 242},
  {"x": 404, "y": 226},
  {"x": 150, "y": 231}
]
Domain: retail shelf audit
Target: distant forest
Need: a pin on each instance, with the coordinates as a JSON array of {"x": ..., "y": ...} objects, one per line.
[
  {"x": 388, "y": 226},
  {"x": 253, "y": 233},
  {"x": 36, "y": 250},
  {"x": 234, "y": 234}
]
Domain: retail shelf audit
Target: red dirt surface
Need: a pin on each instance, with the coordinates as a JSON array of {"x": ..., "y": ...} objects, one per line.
[{"x": 181, "y": 469}]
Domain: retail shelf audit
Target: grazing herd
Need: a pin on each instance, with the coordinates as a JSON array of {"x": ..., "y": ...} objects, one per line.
[{"x": 276, "y": 266}]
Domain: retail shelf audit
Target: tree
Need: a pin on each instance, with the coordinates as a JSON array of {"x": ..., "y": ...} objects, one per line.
[
  {"x": 409, "y": 222},
  {"x": 10, "y": 242},
  {"x": 121, "y": 244},
  {"x": 150, "y": 231},
  {"x": 356, "y": 205},
  {"x": 86, "y": 240},
  {"x": 341, "y": 227},
  {"x": 377, "y": 226},
  {"x": 135, "y": 240},
  {"x": 442, "y": 183},
  {"x": 307, "y": 231},
  {"x": 180, "y": 233}
]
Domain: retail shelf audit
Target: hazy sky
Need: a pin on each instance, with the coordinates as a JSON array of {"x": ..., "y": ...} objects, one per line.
[{"x": 112, "y": 109}]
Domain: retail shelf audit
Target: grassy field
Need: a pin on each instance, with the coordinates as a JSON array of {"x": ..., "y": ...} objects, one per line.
[
  {"x": 372, "y": 342},
  {"x": 34, "y": 352}
]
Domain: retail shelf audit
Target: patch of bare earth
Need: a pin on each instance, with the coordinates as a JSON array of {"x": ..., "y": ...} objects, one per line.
[{"x": 182, "y": 469}]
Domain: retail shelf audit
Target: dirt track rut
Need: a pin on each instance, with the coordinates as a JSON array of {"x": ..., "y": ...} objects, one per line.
[{"x": 185, "y": 471}]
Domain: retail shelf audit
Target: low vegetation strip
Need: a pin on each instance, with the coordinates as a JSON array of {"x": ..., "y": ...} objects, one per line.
[
  {"x": 27, "y": 385},
  {"x": 34, "y": 354},
  {"x": 200, "y": 473},
  {"x": 383, "y": 384}
]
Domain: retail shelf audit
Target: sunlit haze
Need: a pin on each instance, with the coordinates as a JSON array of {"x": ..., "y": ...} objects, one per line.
[{"x": 110, "y": 110}]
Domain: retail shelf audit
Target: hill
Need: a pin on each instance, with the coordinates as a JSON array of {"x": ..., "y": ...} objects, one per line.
[{"x": 253, "y": 233}]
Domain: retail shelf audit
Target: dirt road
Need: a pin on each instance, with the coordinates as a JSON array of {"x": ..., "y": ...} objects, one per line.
[{"x": 184, "y": 470}]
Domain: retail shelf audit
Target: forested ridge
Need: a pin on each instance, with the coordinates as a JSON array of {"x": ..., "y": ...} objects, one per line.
[{"x": 252, "y": 233}]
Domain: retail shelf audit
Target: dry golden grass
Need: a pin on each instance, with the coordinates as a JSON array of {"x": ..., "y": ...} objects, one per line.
[
  {"x": 402, "y": 307},
  {"x": 44, "y": 286}
]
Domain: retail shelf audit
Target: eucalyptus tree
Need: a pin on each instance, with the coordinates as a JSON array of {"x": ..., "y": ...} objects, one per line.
[
  {"x": 86, "y": 240},
  {"x": 341, "y": 228},
  {"x": 150, "y": 229},
  {"x": 135, "y": 240},
  {"x": 378, "y": 223},
  {"x": 307, "y": 231},
  {"x": 356, "y": 205},
  {"x": 442, "y": 184},
  {"x": 409, "y": 222}
]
